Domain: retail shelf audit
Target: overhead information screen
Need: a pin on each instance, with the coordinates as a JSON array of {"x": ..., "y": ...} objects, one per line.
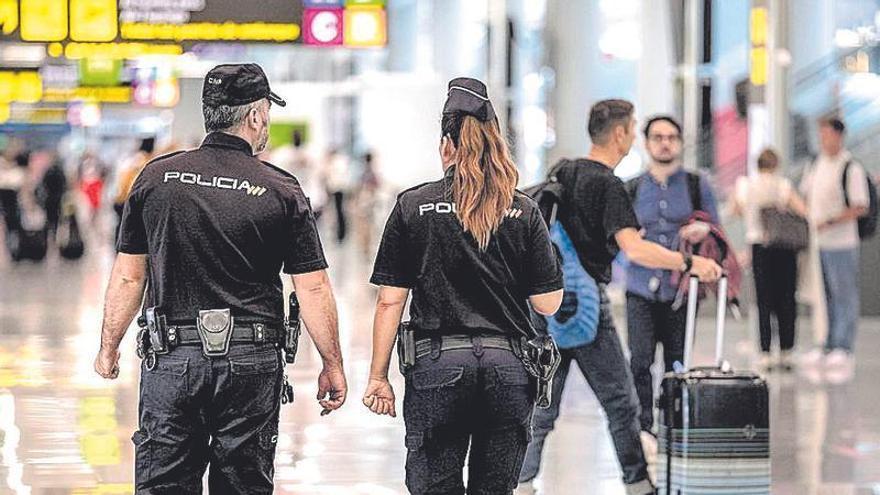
[{"x": 355, "y": 23}]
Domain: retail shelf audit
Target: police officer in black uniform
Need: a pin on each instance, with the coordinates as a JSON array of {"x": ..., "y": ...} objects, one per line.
[
  {"x": 474, "y": 252},
  {"x": 207, "y": 232}
]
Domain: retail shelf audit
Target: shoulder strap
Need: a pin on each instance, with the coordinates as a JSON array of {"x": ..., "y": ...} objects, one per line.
[
  {"x": 553, "y": 182},
  {"x": 695, "y": 191},
  {"x": 845, "y": 182},
  {"x": 551, "y": 175},
  {"x": 632, "y": 187}
]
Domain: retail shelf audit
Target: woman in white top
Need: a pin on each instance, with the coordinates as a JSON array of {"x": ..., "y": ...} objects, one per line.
[{"x": 774, "y": 269}]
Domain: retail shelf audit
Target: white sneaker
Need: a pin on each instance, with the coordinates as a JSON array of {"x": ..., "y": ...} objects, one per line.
[
  {"x": 812, "y": 358},
  {"x": 838, "y": 358},
  {"x": 527, "y": 488}
]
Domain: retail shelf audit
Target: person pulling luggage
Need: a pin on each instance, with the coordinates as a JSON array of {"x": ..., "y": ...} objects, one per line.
[
  {"x": 475, "y": 253},
  {"x": 596, "y": 211}
]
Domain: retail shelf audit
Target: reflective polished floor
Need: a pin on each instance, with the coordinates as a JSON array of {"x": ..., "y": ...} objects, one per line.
[{"x": 65, "y": 430}]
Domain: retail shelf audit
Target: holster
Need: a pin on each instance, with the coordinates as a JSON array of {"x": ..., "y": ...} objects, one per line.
[
  {"x": 292, "y": 329},
  {"x": 406, "y": 347},
  {"x": 155, "y": 326},
  {"x": 215, "y": 331},
  {"x": 541, "y": 358},
  {"x": 143, "y": 340}
]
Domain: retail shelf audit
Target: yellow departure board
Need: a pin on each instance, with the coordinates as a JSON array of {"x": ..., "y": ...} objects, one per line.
[
  {"x": 27, "y": 87},
  {"x": 8, "y": 16},
  {"x": 93, "y": 20},
  {"x": 20, "y": 87},
  {"x": 8, "y": 82},
  {"x": 44, "y": 20},
  {"x": 361, "y": 23}
]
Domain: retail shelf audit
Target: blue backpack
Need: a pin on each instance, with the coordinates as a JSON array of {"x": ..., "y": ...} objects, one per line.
[{"x": 577, "y": 320}]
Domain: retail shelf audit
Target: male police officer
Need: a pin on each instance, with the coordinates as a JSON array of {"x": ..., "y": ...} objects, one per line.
[{"x": 213, "y": 227}]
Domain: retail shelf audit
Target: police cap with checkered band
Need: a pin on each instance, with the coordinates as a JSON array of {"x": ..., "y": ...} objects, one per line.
[{"x": 237, "y": 84}]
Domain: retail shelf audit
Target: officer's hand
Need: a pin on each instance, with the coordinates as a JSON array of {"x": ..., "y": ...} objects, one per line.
[
  {"x": 107, "y": 363},
  {"x": 379, "y": 397},
  {"x": 332, "y": 389},
  {"x": 707, "y": 270}
]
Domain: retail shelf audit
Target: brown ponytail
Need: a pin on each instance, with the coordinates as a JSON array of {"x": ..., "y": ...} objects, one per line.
[{"x": 485, "y": 175}]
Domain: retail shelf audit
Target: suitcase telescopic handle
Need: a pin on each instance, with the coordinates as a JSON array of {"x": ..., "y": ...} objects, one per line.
[{"x": 691, "y": 322}]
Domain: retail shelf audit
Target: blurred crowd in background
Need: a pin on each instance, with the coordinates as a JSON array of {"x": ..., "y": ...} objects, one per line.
[{"x": 52, "y": 211}]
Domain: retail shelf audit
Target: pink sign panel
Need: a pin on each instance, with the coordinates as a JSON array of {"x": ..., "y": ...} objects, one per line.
[{"x": 322, "y": 26}]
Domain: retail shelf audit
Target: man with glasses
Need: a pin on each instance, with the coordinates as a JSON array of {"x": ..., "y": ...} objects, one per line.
[
  {"x": 597, "y": 213},
  {"x": 664, "y": 198}
]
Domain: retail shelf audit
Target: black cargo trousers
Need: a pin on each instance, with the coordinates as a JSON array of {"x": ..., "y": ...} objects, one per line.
[
  {"x": 221, "y": 411},
  {"x": 479, "y": 397}
]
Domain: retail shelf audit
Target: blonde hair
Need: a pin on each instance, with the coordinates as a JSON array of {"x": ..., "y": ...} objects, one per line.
[{"x": 485, "y": 175}]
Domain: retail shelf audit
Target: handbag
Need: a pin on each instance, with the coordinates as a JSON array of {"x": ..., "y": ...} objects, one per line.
[{"x": 784, "y": 229}]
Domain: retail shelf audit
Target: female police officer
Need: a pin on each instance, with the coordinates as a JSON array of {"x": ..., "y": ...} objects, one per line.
[{"x": 474, "y": 252}]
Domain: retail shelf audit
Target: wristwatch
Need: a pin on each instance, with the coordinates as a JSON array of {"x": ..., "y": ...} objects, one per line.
[{"x": 688, "y": 263}]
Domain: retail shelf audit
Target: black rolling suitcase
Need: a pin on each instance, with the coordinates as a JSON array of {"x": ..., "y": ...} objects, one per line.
[
  {"x": 714, "y": 435},
  {"x": 68, "y": 236},
  {"x": 28, "y": 245}
]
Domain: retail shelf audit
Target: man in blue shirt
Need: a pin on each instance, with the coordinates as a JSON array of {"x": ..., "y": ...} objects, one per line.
[{"x": 664, "y": 198}]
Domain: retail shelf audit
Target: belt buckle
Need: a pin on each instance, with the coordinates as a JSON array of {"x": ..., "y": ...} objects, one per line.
[{"x": 215, "y": 331}]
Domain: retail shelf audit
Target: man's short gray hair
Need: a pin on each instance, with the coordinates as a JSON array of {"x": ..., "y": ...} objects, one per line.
[{"x": 224, "y": 117}]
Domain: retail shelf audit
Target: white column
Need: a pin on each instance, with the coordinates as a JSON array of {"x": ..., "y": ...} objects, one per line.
[
  {"x": 572, "y": 43},
  {"x": 497, "y": 70},
  {"x": 693, "y": 44}
]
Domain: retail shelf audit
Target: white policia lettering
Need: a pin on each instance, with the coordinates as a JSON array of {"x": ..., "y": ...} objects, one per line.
[
  {"x": 437, "y": 208},
  {"x": 450, "y": 208},
  {"x": 229, "y": 183}
]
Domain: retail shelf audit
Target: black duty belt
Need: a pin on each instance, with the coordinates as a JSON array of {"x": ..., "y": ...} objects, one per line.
[
  {"x": 256, "y": 333},
  {"x": 453, "y": 342}
]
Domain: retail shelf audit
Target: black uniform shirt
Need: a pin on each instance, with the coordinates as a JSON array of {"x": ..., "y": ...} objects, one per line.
[
  {"x": 456, "y": 288},
  {"x": 595, "y": 207},
  {"x": 218, "y": 225}
]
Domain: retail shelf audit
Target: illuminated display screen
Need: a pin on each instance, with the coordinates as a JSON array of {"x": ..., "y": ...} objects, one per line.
[
  {"x": 148, "y": 87},
  {"x": 341, "y": 22}
]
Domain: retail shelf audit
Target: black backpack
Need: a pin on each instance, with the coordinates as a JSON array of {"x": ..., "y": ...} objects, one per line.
[
  {"x": 548, "y": 194},
  {"x": 632, "y": 188},
  {"x": 867, "y": 222}
]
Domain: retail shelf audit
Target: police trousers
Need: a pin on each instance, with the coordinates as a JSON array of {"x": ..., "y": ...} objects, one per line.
[
  {"x": 197, "y": 411},
  {"x": 477, "y": 400}
]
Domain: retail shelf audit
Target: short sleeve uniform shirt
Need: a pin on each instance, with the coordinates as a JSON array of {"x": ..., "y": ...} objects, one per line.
[
  {"x": 456, "y": 287},
  {"x": 219, "y": 226}
]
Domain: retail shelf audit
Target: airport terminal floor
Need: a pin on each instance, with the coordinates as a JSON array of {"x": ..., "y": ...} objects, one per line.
[{"x": 63, "y": 429}]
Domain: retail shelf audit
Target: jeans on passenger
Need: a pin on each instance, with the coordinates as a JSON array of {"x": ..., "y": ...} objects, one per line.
[
  {"x": 840, "y": 271},
  {"x": 603, "y": 364},
  {"x": 197, "y": 411},
  {"x": 650, "y": 323},
  {"x": 480, "y": 397}
]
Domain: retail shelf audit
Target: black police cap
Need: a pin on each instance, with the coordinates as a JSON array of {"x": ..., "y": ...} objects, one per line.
[
  {"x": 470, "y": 97},
  {"x": 237, "y": 84}
]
